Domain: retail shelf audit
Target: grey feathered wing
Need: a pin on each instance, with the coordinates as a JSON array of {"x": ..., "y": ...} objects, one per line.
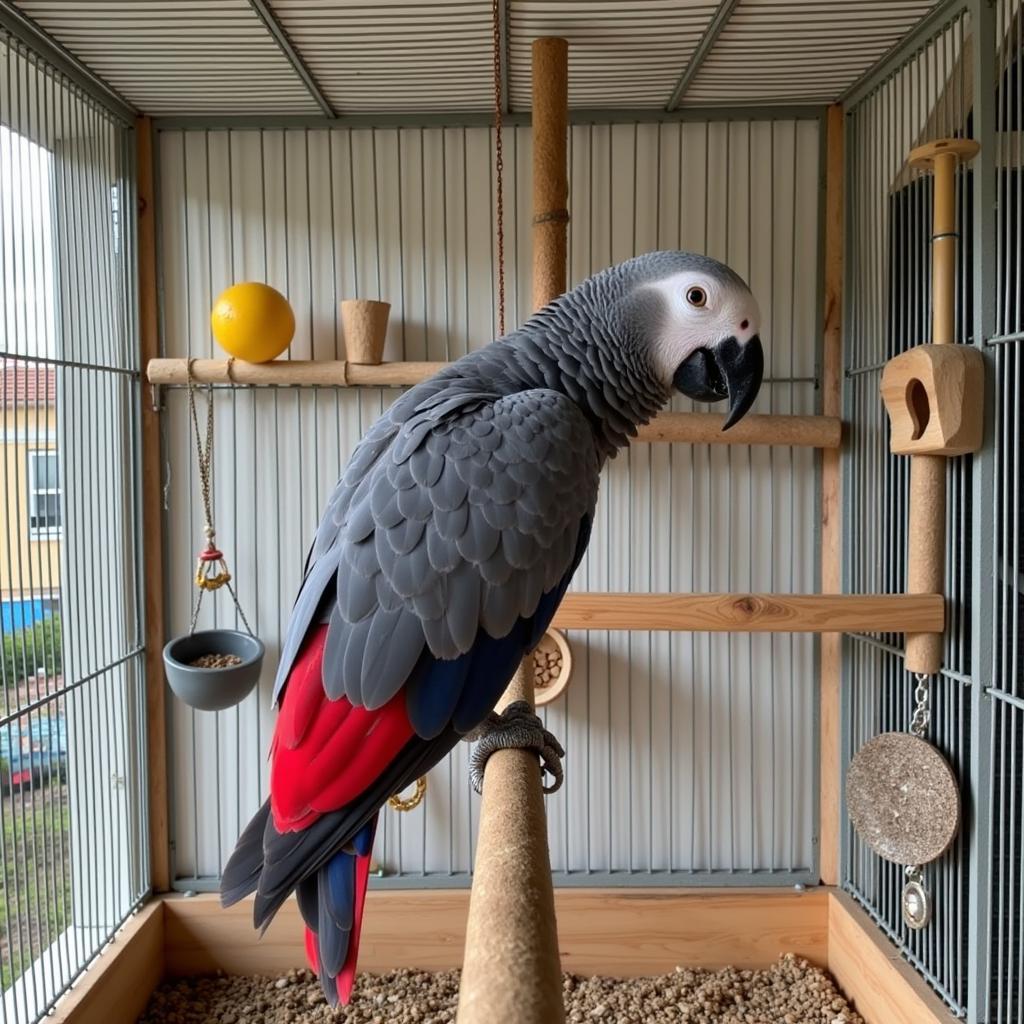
[
  {"x": 455, "y": 513},
  {"x": 441, "y": 557}
]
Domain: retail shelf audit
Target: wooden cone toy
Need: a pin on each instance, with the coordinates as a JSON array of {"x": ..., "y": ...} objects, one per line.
[{"x": 365, "y": 322}]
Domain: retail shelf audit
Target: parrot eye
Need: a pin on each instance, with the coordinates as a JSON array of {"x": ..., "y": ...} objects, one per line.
[{"x": 696, "y": 297}]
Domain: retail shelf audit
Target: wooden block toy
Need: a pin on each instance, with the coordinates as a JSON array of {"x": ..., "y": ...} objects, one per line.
[{"x": 934, "y": 397}]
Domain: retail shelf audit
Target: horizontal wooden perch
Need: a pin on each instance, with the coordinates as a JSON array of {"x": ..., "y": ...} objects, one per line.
[
  {"x": 755, "y": 613},
  {"x": 706, "y": 428},
  {"x": 332, "y": 373},
  {"x": 679, "y": 427}
]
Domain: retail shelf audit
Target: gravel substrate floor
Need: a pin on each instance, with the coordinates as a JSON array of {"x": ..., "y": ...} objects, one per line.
[{"x": 791, "y": 991}]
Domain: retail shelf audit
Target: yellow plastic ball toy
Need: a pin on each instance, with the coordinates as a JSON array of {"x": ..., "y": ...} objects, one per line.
[{"x": 253, "y": 321}]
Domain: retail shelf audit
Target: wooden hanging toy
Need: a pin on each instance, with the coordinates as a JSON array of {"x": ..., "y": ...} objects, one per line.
[{"x": 902, "y": 795}]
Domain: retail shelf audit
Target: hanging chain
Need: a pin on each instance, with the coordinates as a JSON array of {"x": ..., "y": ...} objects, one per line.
[
  {"x": 205, "y": 454},
  {"x": 922, "y": 711},
  {"x": 499, "y": 166},
  {"x": 209, "y": 558},
  {"x": 919, "y": 726}
]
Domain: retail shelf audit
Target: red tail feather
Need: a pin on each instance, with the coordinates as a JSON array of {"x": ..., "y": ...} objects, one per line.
[
  {"x": 312, "y": 951},
  {"x": 347, "y": 977},
  {"x": 326, "y": 752}
]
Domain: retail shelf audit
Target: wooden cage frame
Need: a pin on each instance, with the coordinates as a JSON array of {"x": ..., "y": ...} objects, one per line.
[
  {"x": 174, "y": 935},
  {"x": 623, "y": 932}
]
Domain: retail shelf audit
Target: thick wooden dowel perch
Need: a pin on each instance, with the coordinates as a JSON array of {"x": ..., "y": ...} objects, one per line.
[
  {"x": 926, "y": 552},
  {"x": 944, "y": 247},
  {"x": 512, "y": 973},
  {"x": 930, "y": 389},
  {"x": 550, "y": 177}
]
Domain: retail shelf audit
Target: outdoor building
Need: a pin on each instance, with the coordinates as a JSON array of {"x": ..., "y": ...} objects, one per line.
[{"x": 30, "y": 544}]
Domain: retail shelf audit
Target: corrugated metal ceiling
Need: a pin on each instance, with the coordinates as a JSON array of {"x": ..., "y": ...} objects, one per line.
[
  {"x": 620, "y": 54},
  {"x": 794, "y": 51},
  {"x": 396, "y": 55},
  {"x": 252, "y": 57},
  {"x": 178, "y": 56}
]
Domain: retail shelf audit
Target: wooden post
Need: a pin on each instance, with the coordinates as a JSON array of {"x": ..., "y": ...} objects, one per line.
[
  {"x": 943, "y": 243},
  {"x": 512, "y": 973},
  {"x": 831, "y": 538},
  {"x": 926, "y": 537},
  {"x": 152, "y": 522},
  {"x": 550, "y": 177}
]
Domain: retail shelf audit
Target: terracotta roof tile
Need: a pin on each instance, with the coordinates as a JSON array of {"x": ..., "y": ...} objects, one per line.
[{"x": 28, "y": 383}]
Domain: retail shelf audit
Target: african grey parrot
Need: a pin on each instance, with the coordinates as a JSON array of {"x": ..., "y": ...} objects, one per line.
[{"x": 443, "y": 554}]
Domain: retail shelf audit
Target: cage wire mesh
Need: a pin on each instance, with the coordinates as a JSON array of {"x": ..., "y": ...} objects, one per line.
[
  {"x": 690, "y": 756},
  {"x": 72, "y": 807},
  {"x": 889, "y": 310},
  {"x": 1003, "y": 678}
]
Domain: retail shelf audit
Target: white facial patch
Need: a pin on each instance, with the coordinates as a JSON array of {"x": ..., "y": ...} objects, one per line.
[{"x": 728, "y": 310}]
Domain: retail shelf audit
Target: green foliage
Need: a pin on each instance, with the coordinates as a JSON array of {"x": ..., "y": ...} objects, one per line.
[
  {"x": 32, "y": 648},
  {"x": 36, "y": 907}
]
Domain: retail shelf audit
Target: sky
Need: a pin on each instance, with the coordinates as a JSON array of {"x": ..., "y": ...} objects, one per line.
[{"x": 27, "y": 297}]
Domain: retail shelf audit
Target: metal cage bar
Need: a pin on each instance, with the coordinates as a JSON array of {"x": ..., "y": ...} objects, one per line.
[
  {"x": 73, "y": 838},
  {"x": 942, "y": 85}
]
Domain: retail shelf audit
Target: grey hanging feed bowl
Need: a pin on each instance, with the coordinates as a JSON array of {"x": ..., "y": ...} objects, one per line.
[
  {"x": 215, "y": 668},
  {"x": 210, "y": 688}
]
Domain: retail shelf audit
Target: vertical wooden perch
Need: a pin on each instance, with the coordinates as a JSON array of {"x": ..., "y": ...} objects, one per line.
[
  {"x": 933, "y": 394},
  {"x": 550, "y": 177},
  {"x": 511, "y": 973}
]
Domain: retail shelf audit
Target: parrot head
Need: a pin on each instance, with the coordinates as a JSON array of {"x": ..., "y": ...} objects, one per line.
[{"x": 700, "y": 327}]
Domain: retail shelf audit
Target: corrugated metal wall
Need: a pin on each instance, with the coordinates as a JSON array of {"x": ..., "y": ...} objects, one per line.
[{"x": 686, "y": 753}]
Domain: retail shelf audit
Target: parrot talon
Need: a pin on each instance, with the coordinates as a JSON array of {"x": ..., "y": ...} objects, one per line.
[{"x": 516, "y": 728}]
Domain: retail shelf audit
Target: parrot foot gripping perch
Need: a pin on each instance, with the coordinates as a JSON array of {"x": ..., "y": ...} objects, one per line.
[{"x": 516, "y": 728}]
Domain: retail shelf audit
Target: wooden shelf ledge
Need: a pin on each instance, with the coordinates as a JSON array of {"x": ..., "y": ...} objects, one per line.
[
  {"x": 669, "y": 427},
  {"x": 755, "y": 613},
  {"x": 330, "y": 373}
]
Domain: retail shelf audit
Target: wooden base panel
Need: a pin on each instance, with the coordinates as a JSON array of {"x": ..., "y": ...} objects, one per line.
[
  {"x": 117, "y": 985},
  {"x": 624, "y": 932},
  {"x": 881, "y": 985},
  {"x": 619, "y": 932}
]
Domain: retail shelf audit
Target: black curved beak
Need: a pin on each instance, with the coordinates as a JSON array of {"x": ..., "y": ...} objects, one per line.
[{"x": 729, "y": 369}]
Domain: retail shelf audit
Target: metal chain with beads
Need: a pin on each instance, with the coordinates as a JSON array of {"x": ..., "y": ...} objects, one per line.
[
  {"x": 922, "y": 715},
  {"x": 915, "y": 902},
  {"x": 211, "y": 568}
]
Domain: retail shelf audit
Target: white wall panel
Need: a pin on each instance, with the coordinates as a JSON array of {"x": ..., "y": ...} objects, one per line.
[{"x": 690, "y": 753}]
